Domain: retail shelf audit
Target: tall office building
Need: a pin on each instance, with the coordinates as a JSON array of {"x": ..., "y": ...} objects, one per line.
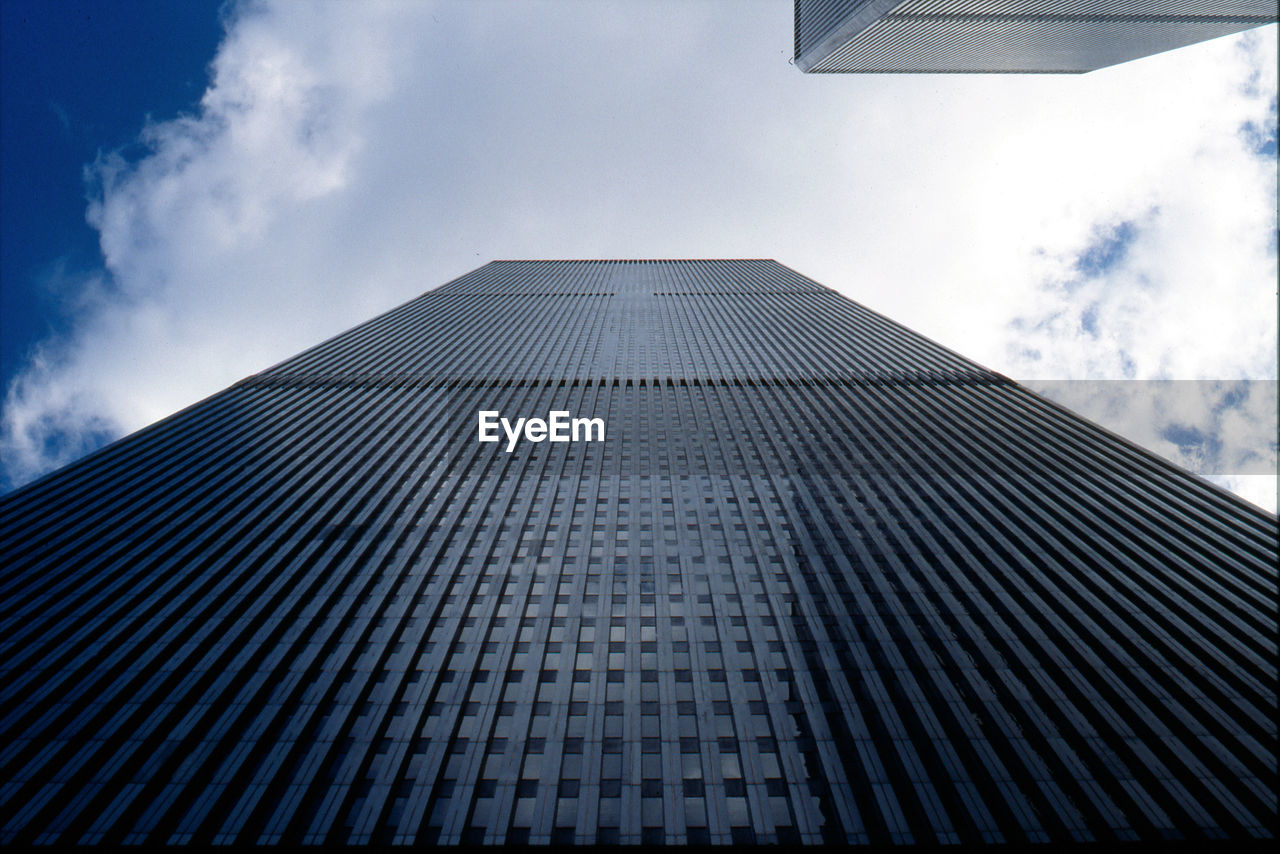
[
  {"x": 772, "y": 568},
  {"x": 1029, "y": 36}
]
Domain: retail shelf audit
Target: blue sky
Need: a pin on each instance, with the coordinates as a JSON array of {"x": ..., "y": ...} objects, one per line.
[
  {"x": 78, "y": 78},
  {"x": 191, "y": 193}
]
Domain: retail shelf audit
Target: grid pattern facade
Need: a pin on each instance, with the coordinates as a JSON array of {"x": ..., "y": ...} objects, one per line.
[
  {"x": 824, "y": 581},
  {"x": 1028, "y": 36}
]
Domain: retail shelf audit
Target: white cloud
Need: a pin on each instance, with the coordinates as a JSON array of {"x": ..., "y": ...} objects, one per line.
[
  {"x": 1256, "y": 488},
  {"x": 349, "y": 156}
]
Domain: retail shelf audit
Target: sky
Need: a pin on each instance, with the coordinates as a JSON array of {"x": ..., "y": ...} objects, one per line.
[{"x": 193, "y": 192}]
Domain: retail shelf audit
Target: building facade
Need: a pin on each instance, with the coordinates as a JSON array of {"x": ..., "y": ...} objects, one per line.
[
  {"x": 814, "y": 579},
  {"x": 1026, "y": 36}
]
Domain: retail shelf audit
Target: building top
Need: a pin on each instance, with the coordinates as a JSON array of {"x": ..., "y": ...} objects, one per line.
[{"x": 652, "y": 320}]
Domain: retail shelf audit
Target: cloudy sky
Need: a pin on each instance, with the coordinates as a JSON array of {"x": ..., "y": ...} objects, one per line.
[{"x": 192, "y": 193}]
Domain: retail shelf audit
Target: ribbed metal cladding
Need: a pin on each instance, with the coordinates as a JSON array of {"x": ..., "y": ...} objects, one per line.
[
  {"x": 1019, "y": 36},
  {"x": 823, "y": 581}
]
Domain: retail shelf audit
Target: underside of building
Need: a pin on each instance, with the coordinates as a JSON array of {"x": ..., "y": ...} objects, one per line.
[{"x": 1007, "y": 36}]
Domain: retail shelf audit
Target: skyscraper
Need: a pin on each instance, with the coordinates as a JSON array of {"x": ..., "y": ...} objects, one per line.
[
  {"x": 633, "y": 551},
  {"x": 1037, "y": 36}
]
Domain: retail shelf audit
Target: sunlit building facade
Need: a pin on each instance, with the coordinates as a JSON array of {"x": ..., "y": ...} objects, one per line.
[
  {"x": 814, "y": 579},
  {"x": 1027, "y": 36}
]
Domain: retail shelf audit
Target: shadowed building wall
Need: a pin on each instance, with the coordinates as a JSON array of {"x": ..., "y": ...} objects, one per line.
[{"x": 823, "y": 581}]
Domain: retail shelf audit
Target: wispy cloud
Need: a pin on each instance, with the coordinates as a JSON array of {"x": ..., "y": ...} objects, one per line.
[
  {"x": 1174, "y": 280},
  {"x": 348, "y": 156},
  {"x": 213, "y": 242}
]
